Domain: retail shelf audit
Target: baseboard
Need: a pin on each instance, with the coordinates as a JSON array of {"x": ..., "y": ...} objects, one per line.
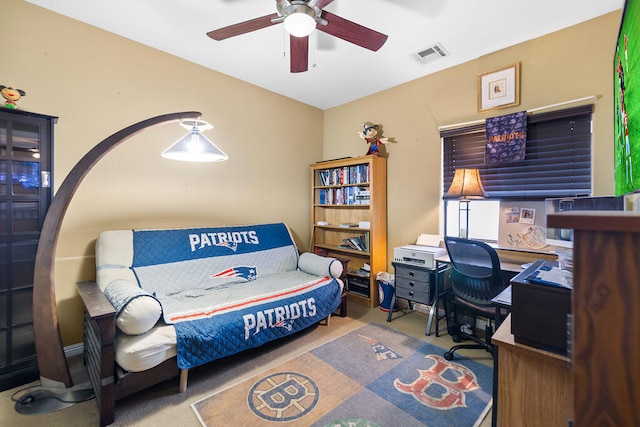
[
  {"x": 74, "y": 350},
  {"x": 423, "y": 308}
]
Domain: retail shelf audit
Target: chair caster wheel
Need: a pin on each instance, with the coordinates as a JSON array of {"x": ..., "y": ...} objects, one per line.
[
  {"x": 448, "y": 355},
  {"x": 455, "y": 338}
]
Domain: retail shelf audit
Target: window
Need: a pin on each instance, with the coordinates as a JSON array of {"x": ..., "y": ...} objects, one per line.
[
  {"x": 483, "y": 219},
  {"x": 557, "y": 164}
]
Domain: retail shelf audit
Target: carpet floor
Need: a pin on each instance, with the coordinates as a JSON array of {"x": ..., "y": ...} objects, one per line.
[
  {"x": 373, "y": 376},
  {"x": 164, "y": 405}
]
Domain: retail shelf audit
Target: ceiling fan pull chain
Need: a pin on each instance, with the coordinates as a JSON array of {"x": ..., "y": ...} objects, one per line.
[
  {"x": 285, "y": 43},
  {"x": 313, "y": 47}
]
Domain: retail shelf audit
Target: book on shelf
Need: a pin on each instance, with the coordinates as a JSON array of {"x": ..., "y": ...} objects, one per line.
[
  {"x": 349, "y": 244},
  {"x": 349, "y": 225},
  {"x": 358, "y": 285},
  {"x": 358, "y": 243},
  {"x": 351, "y": 196},
  {"x": 361, "y": 272},
  {"x": 355, "y": 174},
  {"x": 320, "y": 251},
  {"x": 322, "y": 197},
  {"x": 344, "y": 196},
  {"x": 362, "y": 196},
  {"x": 322, "y": 177}
]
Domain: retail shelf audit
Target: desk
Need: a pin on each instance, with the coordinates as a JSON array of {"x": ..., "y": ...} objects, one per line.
[
  {"x": 533, "y": 384},
  {"x": 511, "y": 261},
  {"x": 502, "y": 301}
]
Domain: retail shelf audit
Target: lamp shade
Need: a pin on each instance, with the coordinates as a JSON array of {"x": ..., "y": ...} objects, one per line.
[
  {"x": 300, "y": 20},
  {"x": 466, "y": 185},
  {"x": 194, "y": 146}
]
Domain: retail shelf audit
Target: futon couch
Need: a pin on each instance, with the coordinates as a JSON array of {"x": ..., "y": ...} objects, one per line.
[{"x": 168, "y": 300}]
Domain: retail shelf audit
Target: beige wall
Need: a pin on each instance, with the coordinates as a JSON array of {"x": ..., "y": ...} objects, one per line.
[
  {"x": 98, "y": 83},
  {"x": 566, "y": 65}
]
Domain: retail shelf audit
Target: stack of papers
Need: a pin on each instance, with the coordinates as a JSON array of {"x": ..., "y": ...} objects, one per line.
[{"x": 549, "y": 274}]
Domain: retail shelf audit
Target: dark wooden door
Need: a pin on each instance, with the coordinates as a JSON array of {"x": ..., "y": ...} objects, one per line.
[{"x": 25, "y": 194}]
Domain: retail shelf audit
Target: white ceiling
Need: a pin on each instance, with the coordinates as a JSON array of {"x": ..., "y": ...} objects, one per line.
[{"x": 339, "y": 72}]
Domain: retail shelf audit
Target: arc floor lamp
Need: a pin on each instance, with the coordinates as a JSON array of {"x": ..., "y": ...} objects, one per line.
[{"x": 52, "y": 363}]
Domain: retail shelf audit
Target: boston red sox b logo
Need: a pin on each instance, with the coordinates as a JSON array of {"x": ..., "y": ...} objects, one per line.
[{"x": 455, "y": 388}]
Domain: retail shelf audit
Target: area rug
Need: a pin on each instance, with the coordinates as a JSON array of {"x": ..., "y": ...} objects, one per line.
[{"x": 373, "y": 376}]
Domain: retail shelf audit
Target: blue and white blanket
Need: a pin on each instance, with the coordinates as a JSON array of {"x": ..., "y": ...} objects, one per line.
[
  {"x": 224, "y": 329},
  {"x": 227, "y": 289}
]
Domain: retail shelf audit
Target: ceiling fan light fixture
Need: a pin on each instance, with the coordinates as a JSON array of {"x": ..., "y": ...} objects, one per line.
[{"x": 300, "y": 20}]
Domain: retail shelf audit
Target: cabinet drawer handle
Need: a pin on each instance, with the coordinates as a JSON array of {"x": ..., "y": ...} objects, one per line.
[
  {"x": 410, "y": 293},
  {"x": 411, "y": 273},
  {"x": 412, "y": 284}
]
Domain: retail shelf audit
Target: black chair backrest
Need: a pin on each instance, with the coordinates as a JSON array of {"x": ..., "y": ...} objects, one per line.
[{"x": 476, "y": 275}]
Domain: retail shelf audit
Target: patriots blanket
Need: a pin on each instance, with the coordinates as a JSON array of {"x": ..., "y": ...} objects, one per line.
[
  {"x": 166, "y": 262},
  {"x": 223, "y": 329},
  {"x": 227, "y": 289}
]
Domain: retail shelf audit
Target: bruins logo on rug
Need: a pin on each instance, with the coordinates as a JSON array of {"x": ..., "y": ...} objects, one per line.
[{"x": 284, "y": 396}]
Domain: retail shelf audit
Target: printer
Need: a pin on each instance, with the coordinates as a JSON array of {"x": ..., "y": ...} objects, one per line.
[{"x": 419, "y": 255}]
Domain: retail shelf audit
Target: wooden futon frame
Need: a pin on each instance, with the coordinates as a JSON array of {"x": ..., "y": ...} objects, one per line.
[{"x": 109, "y": 381}]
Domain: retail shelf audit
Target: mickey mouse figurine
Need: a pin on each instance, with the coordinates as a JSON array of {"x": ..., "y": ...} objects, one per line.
[
  {"x": 370, "y": 135},
  {"x": 11, "y": 95}
]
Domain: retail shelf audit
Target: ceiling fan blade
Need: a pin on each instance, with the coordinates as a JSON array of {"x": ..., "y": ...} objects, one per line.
[
  {"x": 243, "y": 27},
  {"x": 299, "y": 52},
  {"x": 352, "y": 32}
]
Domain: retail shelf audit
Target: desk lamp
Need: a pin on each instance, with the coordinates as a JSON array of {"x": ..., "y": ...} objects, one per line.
[{"x": 466, "y": 186}]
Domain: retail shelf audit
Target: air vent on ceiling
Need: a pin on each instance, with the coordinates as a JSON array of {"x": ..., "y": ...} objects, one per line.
[{"x": 430, "y": 53}]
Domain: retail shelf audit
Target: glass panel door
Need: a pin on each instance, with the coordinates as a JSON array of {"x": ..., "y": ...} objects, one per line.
[{"x": 25, "y": 147}]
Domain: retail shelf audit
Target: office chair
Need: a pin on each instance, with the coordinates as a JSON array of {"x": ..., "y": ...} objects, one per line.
[{"x": 475, "y": 279}]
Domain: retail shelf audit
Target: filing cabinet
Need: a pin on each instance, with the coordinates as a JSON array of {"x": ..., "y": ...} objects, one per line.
[{"x": 414, "y": 284}]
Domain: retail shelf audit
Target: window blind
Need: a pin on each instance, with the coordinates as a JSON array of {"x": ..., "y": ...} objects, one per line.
[{"x": 557, "y": 159}]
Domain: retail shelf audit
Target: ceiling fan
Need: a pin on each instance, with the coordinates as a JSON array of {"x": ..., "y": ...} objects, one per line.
[{"x": 300, "y": 18}]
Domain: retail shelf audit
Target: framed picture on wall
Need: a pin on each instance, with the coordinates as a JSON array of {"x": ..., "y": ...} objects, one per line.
[{"x": 499, "y": 88}]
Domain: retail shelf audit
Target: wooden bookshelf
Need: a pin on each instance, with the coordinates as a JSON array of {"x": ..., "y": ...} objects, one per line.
[{"x": 345, "y": 193}]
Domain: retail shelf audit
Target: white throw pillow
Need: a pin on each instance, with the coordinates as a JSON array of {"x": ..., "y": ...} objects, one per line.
[
  {"x": 137, "y": 311},
  {"x": 319, "y": 265}
]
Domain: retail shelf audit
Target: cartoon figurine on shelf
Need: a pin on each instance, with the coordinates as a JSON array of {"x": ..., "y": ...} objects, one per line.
[
  {"x": 370, "y": 135},
  {"x": 11, "y": 96}
]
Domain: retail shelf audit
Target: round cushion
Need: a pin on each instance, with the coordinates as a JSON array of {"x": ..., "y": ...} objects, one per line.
[
  {"x": 319, "y": 265},
  {"x": 137, "y": 311}
]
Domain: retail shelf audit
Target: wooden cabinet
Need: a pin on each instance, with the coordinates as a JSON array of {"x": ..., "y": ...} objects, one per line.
[
  {"x": 349, "y": 219},
  {"x": 605, "y": 311},
  {"x": 534, "y": 386},
  {"x": 26, "y": 140}
]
